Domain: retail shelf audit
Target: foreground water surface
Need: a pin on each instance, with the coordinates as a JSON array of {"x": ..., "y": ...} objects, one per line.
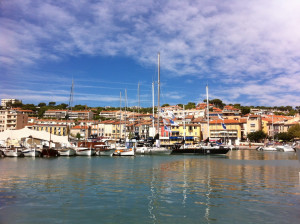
[{"x": 241, "y": 187}]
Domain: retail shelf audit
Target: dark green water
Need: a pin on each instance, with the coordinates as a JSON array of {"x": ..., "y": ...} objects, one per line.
[{"x": 242, "y": 187}]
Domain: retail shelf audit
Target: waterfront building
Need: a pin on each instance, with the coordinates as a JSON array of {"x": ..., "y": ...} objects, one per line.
[
  {"x": 84, "y": 131},
  {"x": 232, "y": 134},
  {"x": 12, "y": 120},
  {"x": 192, "y": 133},
  {"x": 254, "y": 123},
  {"x": 56, "y": 129}
]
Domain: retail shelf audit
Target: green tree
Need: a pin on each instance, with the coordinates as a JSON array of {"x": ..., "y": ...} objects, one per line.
[
  {"x": 245, "y": 110},
  {"x": 52, "y": 104},
  {"x": 190, "y": 105},
  {"x": 62, "y": 106},
  {"x": 165, "y": 105},
  {"x": 41, "y": 111},
  {"x": 78, "y": 136},
  {"x": 42, "y": 104},
  {"x": 256, "y": 136},
  {"x": 284, "y": 136},
  {"x": 294, "y": 131},
  {"x": 79, "y": 107},
  {"x": 216, "y": 102}
]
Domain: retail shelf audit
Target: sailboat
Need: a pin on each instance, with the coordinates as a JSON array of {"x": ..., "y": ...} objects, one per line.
[
  {"x": 202, "y": 149},
  {"x": 67, "y": 150},
  {"x": 128, "y": 149},
  {"x": 155, "y": 150}
]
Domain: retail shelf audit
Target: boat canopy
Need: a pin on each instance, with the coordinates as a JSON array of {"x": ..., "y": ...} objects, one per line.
[{"x": 26, "y": 133}]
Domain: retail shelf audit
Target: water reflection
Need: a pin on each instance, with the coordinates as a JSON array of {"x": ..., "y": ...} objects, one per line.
[{"x": 150, "y": 189}]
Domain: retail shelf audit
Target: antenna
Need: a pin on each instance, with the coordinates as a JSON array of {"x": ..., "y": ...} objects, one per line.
[{"x": 71, "y": 96}]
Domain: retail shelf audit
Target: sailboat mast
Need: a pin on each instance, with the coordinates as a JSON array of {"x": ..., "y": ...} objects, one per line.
[
  {"x": 153, "y": 109},
  {"x": 120, "y": 115},
  {"x": 158, "y": 93},
  {"x": 70, "y": 109},
  {"x": 139, "y": 97},
  {"x": 184, "y": 126},
  {"x": 207, "y": 103},
  {"x": 125, "y": 111}
]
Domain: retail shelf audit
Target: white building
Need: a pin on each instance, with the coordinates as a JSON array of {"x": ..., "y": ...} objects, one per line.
[{"x": 13, "y": 101}]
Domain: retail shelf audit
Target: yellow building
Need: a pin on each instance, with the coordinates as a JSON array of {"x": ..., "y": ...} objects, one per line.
[
  {"x": 192, "y": 133},
  {"x": 232, "y": 134},
  {"x": 55, "y": 129}
]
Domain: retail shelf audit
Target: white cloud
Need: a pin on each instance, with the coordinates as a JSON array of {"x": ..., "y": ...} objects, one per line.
[{"x": 254, "y": 44}]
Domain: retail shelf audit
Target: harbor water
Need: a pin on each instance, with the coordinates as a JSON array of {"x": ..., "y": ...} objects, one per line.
[{"x": 245, "y": 186}]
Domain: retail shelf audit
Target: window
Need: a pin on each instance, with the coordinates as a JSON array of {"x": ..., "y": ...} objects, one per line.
[{"x": 252, "y": 125}]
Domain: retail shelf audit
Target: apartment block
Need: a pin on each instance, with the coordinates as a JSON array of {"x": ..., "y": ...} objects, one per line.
[
  {"x": 13, "y": 101},
  {"x": 61, "y": 114},
  {"x": 12, "y": 120}
]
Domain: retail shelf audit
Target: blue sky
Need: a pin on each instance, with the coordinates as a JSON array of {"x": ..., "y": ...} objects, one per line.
[{"x": 247, "y": 51}]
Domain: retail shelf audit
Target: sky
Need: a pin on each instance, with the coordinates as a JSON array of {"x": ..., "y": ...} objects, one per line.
[{"x": 248, "y": 52}]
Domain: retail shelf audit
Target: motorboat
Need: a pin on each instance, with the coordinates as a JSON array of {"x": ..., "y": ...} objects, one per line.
[
  {"x": 84, "y": 151},
  {"x": 285, "y": 148},
  {"x": 269, "y": 148},
  {"x": 31, "y": 152},
  {"x": 124, "y": 151}
]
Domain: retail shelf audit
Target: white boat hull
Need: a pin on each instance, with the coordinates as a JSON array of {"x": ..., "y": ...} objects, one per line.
[
  {"x": 269, "y": 149},
  {"x": 105, "y": 153},
  {"x": 152, "y": 151},
  {"x": 31, "y": 153},
  {"x": 285, "y": 148},
  {"x": 67, "y": 152},
  {"x": 124, "y": 152},
  {"x": 12, "y": 153},
  {"x": 84, "y": 152}
]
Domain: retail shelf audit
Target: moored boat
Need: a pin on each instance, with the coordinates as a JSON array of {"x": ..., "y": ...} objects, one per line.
[
  {"x": 12, "y": 152},
  {"x": 66, "y": 152},
  {"x": 46, "y": 152},
  {"x": 201, "y": 150},
  {"x": 31, "y": 152},
  {"x": 285, "y": 148},
  {"x": 84, "y": 151},
  {"x": 123, "y": 151},
  {"x": 104, "y": 150},
  {"x": 269, "y": 148},
  {"x": 152, "y": 151}
]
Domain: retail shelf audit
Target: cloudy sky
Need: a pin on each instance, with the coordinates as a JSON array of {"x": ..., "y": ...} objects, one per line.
[{"x": 247, "y": 51}]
